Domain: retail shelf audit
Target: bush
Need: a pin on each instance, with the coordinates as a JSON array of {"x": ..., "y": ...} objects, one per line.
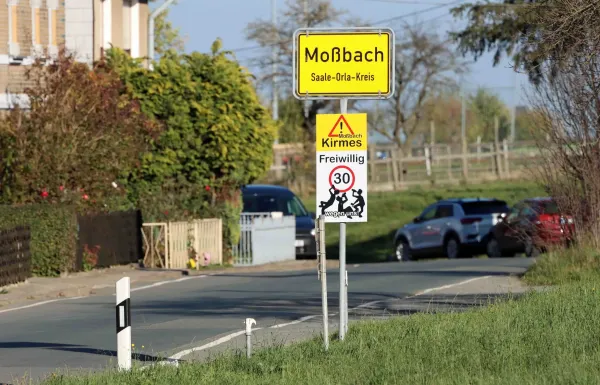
[
  {"x": 217, "y": 136},
  {"x": 53, "y": 235},
  {"x": 81, "y": 133}
]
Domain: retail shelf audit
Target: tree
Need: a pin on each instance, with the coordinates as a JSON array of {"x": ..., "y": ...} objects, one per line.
[
  {"x": 531, "y": 32},
  {"x": 217, "y": 136},
  {"x": 525, "y": 123},
  {"x": 166, "y": 37},
  {"x": 425, "y": 68},
  {"x": 291, "y": 118},
  {"x": 445, "y": 112},
  {"x": 486, "y": 107},
  {"x": 299, "y": 13},
  {"x": 567, "y": 112},
  {"x": 81, "y": 134}
]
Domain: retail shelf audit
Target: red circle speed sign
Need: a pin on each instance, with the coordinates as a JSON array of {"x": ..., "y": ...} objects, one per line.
[{"x": 345, "y": 177}]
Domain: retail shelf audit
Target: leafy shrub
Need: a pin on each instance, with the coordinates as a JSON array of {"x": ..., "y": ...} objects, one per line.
[
  {"x": 217, "y": 136},
  {"x": 53, "y": 235},
  {"x": 81, "y": 134}
]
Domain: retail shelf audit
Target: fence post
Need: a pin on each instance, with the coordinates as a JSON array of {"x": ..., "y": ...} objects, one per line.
[
  {"x": 395, "y": 176},
  {"x": 506, "y": 154},
  {"x": 496, "y": 157},
  {"x": 427, "y": 159},
  {"x": 465, "y": 166}
]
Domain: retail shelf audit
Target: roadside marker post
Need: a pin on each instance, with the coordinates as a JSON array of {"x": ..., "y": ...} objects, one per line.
[
  {"x": 322, "y": 258},
  {"x": 249, "y": 322},
  {"x": 343, "y": 64},
  {"x": 123, "y": 323}
]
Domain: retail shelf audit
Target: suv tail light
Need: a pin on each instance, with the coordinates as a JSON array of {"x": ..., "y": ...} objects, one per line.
[
  {"x": 469, "y": 221},
  {"x": 546, "y": 218}
]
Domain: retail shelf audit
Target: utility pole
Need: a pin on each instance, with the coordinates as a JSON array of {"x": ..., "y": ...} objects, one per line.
[
  {"x": 463, "y": 127},
  {"x": 514, "y": 108},
  {"x": 275, "y": 100},
  {"x": 151, "y": 27}
]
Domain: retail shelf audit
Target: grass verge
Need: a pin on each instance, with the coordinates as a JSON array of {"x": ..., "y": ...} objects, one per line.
[
  {"x": 372, "y": 241},
  {"x": 564, "y": 266},
  {"x": 543, "y": 338}
]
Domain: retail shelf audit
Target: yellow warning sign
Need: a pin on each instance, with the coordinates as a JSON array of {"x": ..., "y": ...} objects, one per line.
[
  {"x": 341, "y": 132},
  {"x": 353, "y": 63}
]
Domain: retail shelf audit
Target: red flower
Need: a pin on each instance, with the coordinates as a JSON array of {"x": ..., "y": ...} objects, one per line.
[
  {"x": 207, "y": 188},
  {"x": 166, "y": 212},
  {"x": 61, "y": 188},
  {"x": 85, "y": 197},
  {"x": 44, "y": 194}
]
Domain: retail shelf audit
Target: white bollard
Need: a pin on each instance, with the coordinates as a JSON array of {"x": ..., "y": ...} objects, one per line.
[
  {"x": 123, "y": 324},
  {"x": 249, "y": 322}
]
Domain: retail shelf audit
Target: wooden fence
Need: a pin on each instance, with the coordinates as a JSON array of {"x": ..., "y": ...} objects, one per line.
[
  {"x": 391, "y": 169},
  {"x": 15, "y": 257},
  {"x": 171, "y": 244}
]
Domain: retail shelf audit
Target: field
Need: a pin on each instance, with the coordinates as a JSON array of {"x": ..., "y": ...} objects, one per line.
[
  {"x": 544, "y": 338},
  {"x": 373, "y": 241}
]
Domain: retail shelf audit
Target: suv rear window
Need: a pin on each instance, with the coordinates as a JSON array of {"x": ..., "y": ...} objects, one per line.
[
  {"x": 550, "y": 207},
  {"x": 489, "y": 207}
]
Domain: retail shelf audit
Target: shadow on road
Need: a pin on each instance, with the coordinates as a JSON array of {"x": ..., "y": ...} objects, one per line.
[
  {"x": 436, "y": 303},
  {"x": 74, "y": 348}
]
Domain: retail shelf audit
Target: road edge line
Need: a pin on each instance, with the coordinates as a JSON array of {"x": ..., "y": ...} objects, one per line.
[{"x": 174, "y": 359}]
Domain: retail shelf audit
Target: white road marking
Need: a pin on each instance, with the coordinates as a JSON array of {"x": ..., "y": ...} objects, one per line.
[
  {"x": 39, "y": 304},
  {"x": 156, "y": 284},
  {"x": 449, "y": 286},
  {"x": 174, "y": 359},
  {"x": 293, "y": 322}
]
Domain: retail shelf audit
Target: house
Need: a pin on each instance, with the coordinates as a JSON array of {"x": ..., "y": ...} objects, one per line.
[{"x": 34, "y": 28}]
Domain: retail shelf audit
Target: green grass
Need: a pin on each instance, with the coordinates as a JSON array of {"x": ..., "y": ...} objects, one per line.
[
  {"x": 372, "y": 241},
  {"x": 544, "y": 338},
  {"x": 564, "y": 266}
]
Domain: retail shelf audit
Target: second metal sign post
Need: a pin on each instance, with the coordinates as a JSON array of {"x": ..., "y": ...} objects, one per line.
[{"x": 343, "y": 63}]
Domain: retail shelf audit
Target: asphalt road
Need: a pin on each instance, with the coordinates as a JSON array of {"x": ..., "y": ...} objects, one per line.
[{"x": 81, "y": 333}]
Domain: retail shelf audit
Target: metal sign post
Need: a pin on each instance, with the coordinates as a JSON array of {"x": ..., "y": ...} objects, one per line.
[
  {"x": 342, "y": 64},
  {"x": 322, "y": 258}
]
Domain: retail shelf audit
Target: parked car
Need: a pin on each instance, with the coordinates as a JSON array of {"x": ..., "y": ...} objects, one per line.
[
  {"x": 270, "y": 198},
  {"x": 452, "y": 228},
  {"x": 530, "y": 227}
]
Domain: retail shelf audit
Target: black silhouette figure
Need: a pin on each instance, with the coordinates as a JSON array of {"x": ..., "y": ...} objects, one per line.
[
  {"x": 341, "y": 209},
  {"x": 324, "y": 205},
  {"x": 359, "y": 203}
]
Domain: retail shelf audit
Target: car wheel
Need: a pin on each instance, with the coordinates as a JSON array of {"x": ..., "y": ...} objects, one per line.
[
  {"x": 492, "y": 248},
  {"x": 403, "y": 252},
  {"x": 452, "y": 247},
  {"x": 531, "y": 250}
]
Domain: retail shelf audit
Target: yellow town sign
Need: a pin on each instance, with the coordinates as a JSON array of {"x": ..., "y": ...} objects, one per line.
[{"x": 353, "y": 63}]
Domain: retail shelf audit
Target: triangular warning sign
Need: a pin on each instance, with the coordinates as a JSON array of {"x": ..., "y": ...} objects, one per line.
[{"x": 341, "y": 125}]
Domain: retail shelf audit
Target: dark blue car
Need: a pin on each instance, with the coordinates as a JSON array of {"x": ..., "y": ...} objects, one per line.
[{"x": 270, "y": 198}]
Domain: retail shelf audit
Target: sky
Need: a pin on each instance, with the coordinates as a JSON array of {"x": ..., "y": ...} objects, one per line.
[{"x": 202, "y": 21}]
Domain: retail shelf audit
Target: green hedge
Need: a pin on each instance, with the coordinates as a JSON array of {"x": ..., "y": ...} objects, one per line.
[{"x": 53, "y": 235}]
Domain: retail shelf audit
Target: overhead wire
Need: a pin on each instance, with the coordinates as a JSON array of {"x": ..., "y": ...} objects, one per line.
[{"x": 373, "y": 24}]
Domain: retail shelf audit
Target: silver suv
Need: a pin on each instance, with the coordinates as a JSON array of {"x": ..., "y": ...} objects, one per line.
[{"x": 452, "y": 228}]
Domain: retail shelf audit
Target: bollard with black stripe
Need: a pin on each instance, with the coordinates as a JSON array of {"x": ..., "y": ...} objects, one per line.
[{"x": 123, "y": 324}]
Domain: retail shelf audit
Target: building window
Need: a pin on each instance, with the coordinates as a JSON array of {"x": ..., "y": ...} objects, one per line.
[{"x": 13, "y": 28}]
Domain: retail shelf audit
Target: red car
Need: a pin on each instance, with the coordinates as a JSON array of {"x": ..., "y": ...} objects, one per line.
[{"x": 531, "y": 226}]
